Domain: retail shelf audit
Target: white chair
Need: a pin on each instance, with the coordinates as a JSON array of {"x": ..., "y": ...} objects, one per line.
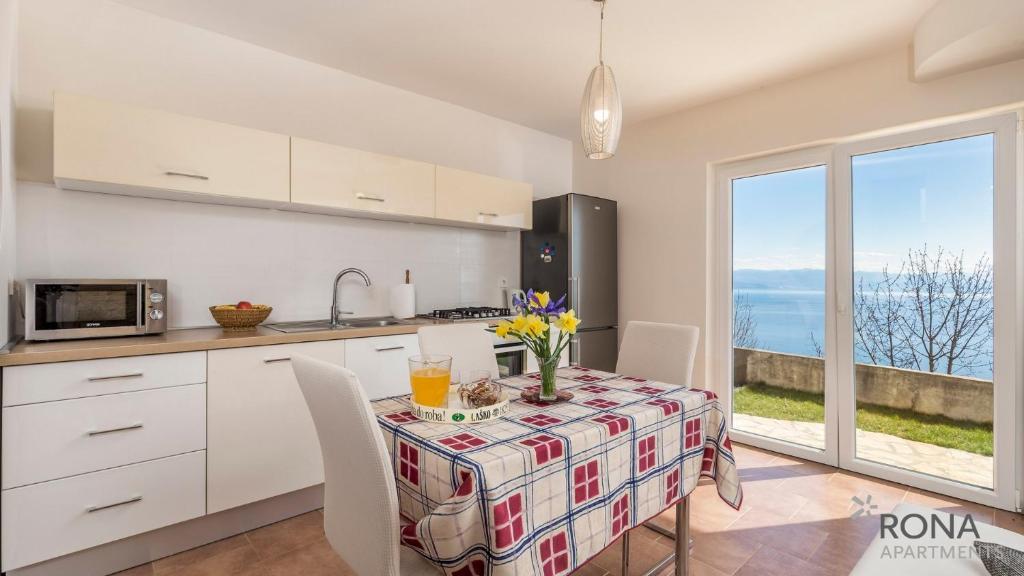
[
  {"x": 470, "y": 346},
  {"x": 662, "y": 352},
  {"x": 360, "y": 495}
]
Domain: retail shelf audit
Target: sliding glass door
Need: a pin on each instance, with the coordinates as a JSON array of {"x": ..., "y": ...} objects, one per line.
[{"x": 868, "y": 307}]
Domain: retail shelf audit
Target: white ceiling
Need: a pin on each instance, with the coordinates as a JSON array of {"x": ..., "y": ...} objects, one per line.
[{"x": 527, "y": 60}]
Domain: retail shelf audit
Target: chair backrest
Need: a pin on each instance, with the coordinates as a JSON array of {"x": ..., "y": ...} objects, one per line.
[
  {"x": 360, "y": 496},
  {"x": 662, "y": 352},
  {"x": 470, "y": 346}
]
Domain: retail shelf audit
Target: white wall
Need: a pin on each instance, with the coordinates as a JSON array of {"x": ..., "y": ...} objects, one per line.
[
  {"x": 219, "y": 254},
  {"x": 659, "y": 176},
  {"x": 8, "y": 72}
]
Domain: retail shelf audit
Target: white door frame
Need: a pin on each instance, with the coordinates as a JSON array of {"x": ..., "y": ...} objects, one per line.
[
  {"x": 1008, "y": 248},
  {"x": 1004, "y": 264},
  {"x": 723, "y": 302}
]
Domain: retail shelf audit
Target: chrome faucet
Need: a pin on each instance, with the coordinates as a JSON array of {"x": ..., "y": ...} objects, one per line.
[{"x": 335, "y": 313}]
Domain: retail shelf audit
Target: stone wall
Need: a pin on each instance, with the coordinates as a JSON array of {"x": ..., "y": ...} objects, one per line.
[{"x": 955, "y": 397}]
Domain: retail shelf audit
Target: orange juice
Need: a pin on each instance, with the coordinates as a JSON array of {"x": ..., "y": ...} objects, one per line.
[{"x": 430, "y": 386}]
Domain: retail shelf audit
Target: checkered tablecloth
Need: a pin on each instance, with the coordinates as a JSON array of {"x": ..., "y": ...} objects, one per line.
[{"x": 547, "y": 487}]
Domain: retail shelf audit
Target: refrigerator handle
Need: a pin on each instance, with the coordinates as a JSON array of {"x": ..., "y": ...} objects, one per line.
[
  {"x": 574, "y": 295},
  {"x": 574, "y": 351}
]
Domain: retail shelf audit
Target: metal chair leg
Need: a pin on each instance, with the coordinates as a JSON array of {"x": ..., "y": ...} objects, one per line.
[{"x": 683, "y": 537}]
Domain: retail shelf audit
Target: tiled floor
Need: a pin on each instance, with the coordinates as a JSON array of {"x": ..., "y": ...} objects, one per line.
[{"x": 795, "y": 520}]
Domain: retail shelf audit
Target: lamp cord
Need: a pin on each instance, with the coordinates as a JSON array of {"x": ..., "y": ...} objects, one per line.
[{"x": 600, "y": 42}]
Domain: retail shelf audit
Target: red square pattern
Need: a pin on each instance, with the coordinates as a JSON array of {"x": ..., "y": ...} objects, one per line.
[
  {"x": 634, "y": 379},
  {"x": 620, "y": 515},
  {"x": 554, "y": 554},
  {"x": 691, "y": 433},
  {"x": 409, "y": 463},
  {"x": 707, "y": 464},
  {"x": 474, "y": 567},
  {"x": 544, "y": 447},
  {"x": 601, "y": 403},
  {"x": 541, "y": 420},
  {"x": 650, "y": 390},
  {"x": 401, "y": 417},
  {"x": 508, "y": 521},
  {"x": 587, "y": 378},
  {"x": 668, "y": 407},
  {"x": 585, "y": 482},
  {"x": 645, "y": 453},
  {"x": 463, "y": 441},
  {"x": 672, "y": 487},
  {"x": 594, "y": 388},
  {"x": 615, "y": 424}
]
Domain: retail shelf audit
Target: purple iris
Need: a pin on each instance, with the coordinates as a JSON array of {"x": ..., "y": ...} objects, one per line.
[{"x": 552, "y": 307}]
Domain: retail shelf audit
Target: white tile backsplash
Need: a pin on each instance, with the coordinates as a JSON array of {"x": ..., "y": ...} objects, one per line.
[{"x": 221, "y": 254}]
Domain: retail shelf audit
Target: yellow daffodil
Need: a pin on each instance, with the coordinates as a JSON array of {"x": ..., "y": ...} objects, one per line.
[
  {"x": 519, "y": 324},
  {"x": 542, "y": 299},
  {"x": 536, "y": 326},
  {"x": 502, "y": 329},
  {"x": 567, "y": 322}
]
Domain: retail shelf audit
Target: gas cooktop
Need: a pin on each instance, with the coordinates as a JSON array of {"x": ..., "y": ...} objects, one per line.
[{"x": 469, "y": 313}]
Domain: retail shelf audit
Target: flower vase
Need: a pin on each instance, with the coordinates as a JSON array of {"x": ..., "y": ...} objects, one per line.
[{"x": 548, "y": 367}]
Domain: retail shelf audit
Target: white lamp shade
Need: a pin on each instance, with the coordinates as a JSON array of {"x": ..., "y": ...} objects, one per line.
[{"x": 601, "y": 114}]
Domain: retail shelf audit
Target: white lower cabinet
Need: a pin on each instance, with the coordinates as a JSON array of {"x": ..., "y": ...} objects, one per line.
[
  {"x": 382, "y": 363},
  {"x": 260, "y": 436},
  {"x": 53, "y": 440},
  {"x": 50, "y": 519}
]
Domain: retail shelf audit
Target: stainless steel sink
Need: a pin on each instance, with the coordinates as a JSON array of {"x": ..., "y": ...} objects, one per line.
[{"x": 319, "y": 325}]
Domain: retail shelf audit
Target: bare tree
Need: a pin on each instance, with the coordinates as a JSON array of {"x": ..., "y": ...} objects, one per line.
[
  {"x": 935, "y": 314},
  {"x": 815, "y": 345},
  {"x": 744, "y": 326}
]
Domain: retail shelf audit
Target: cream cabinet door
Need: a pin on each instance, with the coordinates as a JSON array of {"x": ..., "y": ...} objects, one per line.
[
  {"x": 106, "y": 147},
  {"x": 469, "y": 197},
  {"x": 260, "y": 436},
  {"x": 338, "y": 177},
  {"x": 382, "y": 363}
]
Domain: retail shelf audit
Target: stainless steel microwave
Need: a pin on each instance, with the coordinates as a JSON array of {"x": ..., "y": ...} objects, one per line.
[{"x": 89, "y": 308}]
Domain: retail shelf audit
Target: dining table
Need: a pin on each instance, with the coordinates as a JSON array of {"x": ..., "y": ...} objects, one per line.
[{"x": 547, "y": 487}]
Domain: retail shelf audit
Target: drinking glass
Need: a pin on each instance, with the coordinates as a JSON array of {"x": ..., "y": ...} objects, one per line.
[{"x": 430, "y": 377}]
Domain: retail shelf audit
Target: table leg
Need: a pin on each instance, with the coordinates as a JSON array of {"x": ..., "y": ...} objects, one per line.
[
  {"x": 683, "y": 537},
  {"x": 625, "y": 553}
]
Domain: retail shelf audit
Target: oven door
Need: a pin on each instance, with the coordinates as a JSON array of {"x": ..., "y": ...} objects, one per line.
[
  {"x": 58, "y": 310},
  {"x": 511, "y": 359}
]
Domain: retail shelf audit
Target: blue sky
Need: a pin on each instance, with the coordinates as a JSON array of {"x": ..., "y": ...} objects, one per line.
[{"x": 939, "y": 194}]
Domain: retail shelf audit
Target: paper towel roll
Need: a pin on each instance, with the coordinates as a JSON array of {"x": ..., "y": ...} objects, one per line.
[{"x": 403, "y": 300}]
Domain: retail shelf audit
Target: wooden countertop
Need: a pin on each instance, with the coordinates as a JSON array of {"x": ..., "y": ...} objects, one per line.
[{"x": 187, "y": 340}]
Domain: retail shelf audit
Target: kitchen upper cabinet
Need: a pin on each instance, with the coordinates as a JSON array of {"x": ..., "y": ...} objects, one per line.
[
  {"x": 382, "y": 363},
  {"x": 106, "y": 147},
  {"x": 261, "y": 440},
  {"x": 348, "y": 179},
  {"x": 470, "y": 197}
]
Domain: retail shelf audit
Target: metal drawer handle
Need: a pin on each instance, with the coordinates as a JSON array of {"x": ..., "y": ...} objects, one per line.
[
  {"x": 114, "y": 377},
  {"x": 273, "y": 360},
  {"x": 114, "y": 505},
  {"x": 491, "y": 214},
  {"x": 386, "y": 348},
  {"x": 135, "y": 426},
  {"x": 187, "y": 175}
]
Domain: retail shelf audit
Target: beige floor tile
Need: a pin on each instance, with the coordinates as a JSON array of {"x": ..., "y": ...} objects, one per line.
[
  {"x": 839, "y": 553},
  {"x": 314, "y": 559},
  {"x": 241, "y": 560},
  {"x": 772, "y": 562},
  {"x": 724, "y": 551},
  {"x": 276, "y": 539},
  {"x": 179, "y": 561},
  {"x": 143, "y": 570},
  {"x": 1009, "y": 521},
  {"x": 776, "y": 531}
]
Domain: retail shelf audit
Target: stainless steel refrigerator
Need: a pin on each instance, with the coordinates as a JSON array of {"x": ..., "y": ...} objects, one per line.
[{"x": 572, "y": 249}]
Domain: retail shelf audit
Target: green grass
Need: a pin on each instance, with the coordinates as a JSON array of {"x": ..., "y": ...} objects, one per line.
[{"x": 783, "y": 404}]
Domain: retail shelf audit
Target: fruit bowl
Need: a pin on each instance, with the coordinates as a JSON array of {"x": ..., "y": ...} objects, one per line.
[{"x": 235, "y": 319}]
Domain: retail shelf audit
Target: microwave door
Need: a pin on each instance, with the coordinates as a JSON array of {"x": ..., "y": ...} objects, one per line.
[{"x": 84, "y": 310}]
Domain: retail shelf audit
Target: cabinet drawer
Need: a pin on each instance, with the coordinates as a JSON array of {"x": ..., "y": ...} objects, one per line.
[
  {"x": 469, "y": 197},
  {"x": 104, "y": 146},
  {"x": 50, "y": 519},
  {"x": 63, "y": 380},
  {"x": 57, "y": 439},
  {"x": 338, "y": 177},
  {"x": 382, "y": 363},
  {"x": 261, "y": 440}
]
